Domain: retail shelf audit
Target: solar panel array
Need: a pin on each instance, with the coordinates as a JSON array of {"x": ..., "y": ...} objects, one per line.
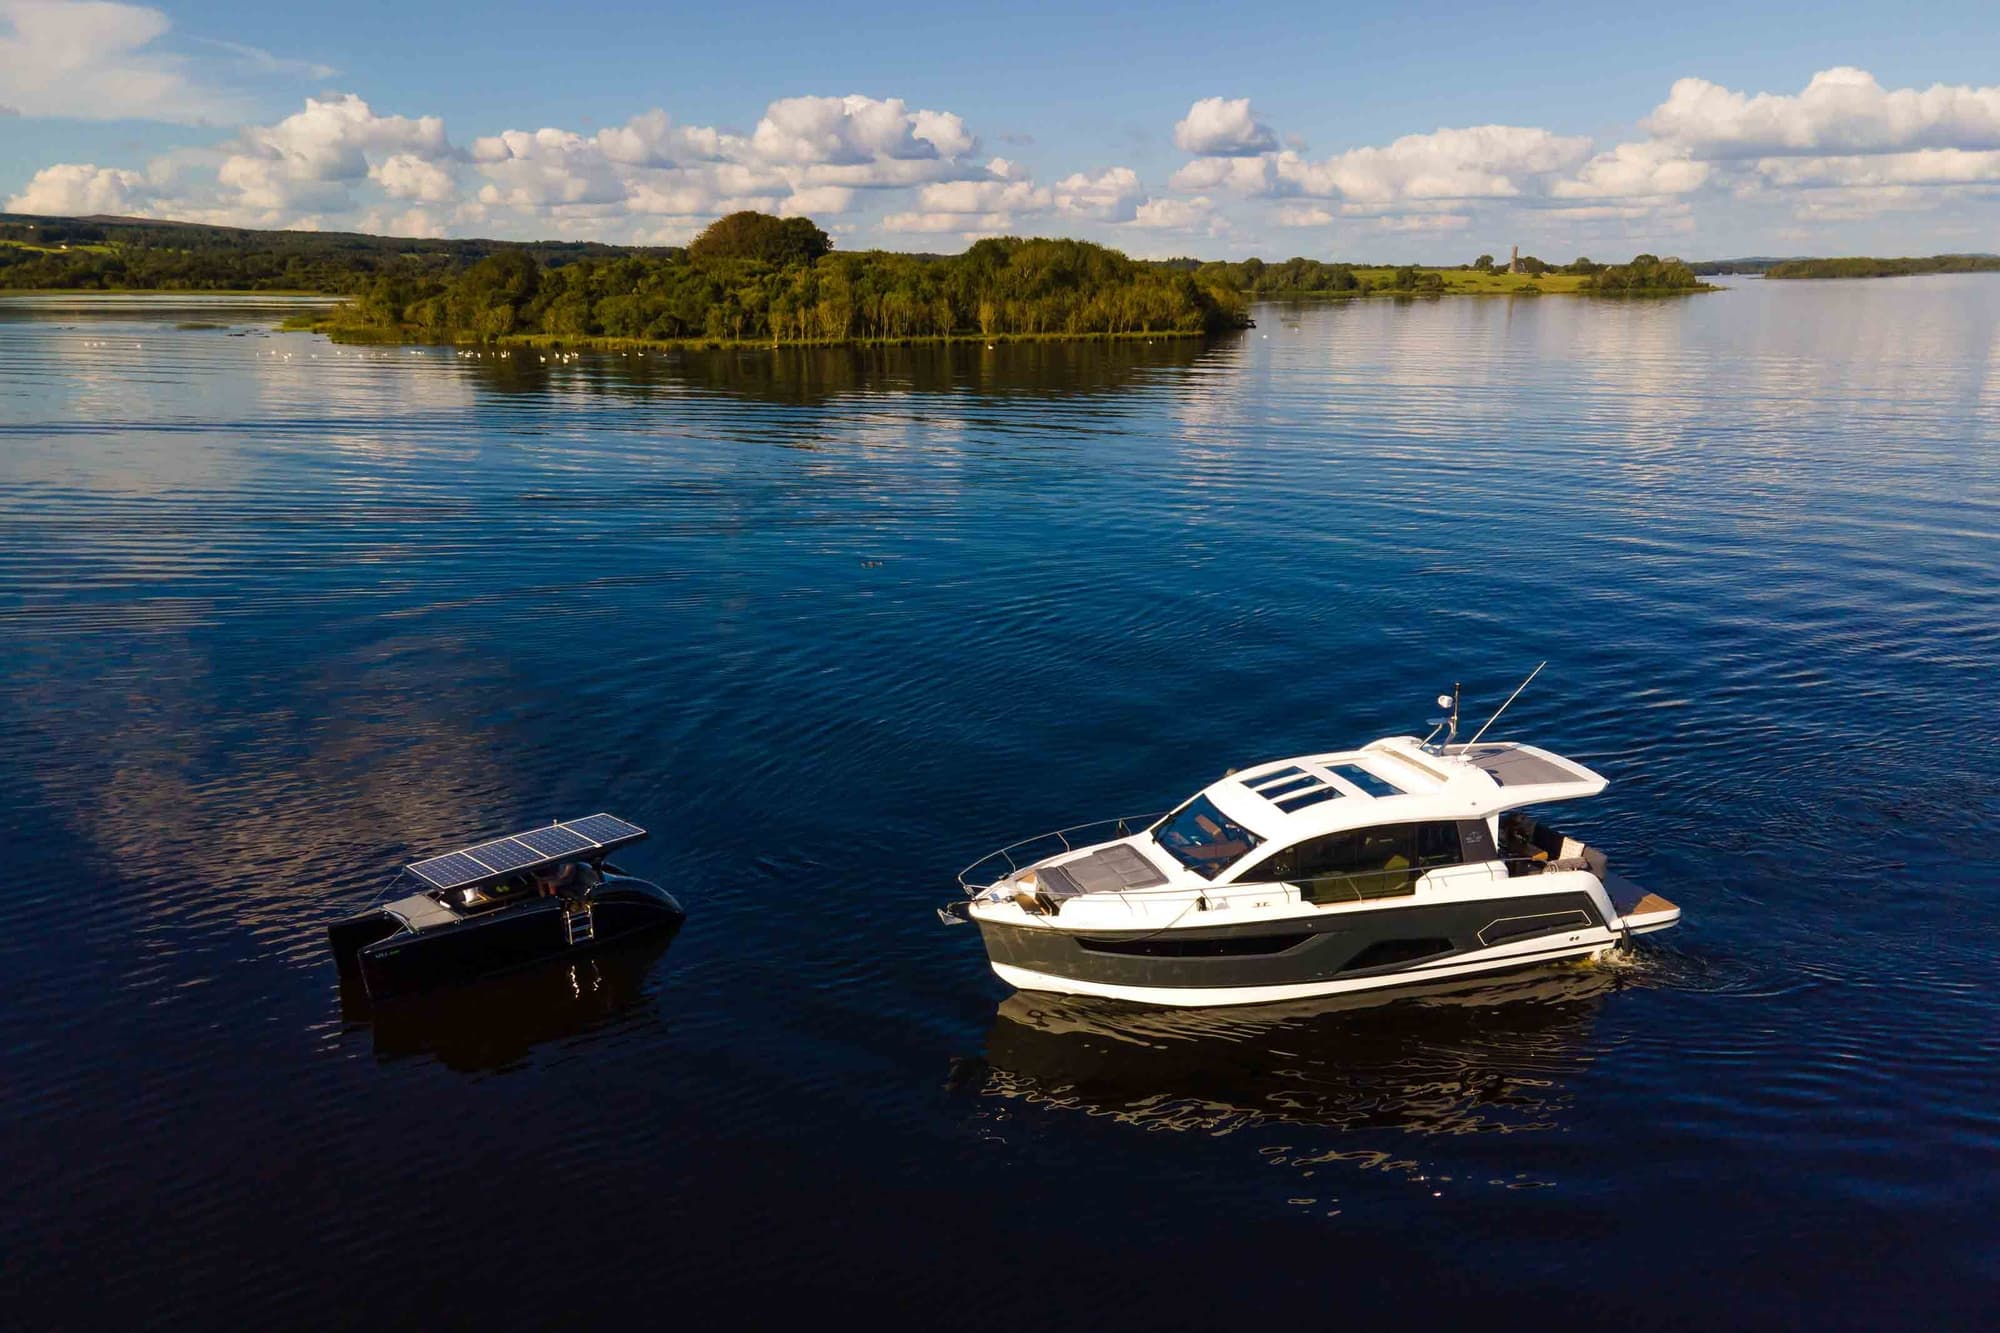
[
  {"x": 523, "y": 851},
  {"x": 555, "y": 840}
]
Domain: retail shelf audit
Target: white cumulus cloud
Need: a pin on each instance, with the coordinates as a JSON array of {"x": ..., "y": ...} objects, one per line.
[
  {"x": 987, "y": 196},
  {"x": 1841, "y": 111},
  {"x": 1931, "y": 166},
  {"x": 1174, "y": 214},
  {"x": 1112, "y": 195},
  {"x": 97, "y": 60},
  {"x": 1479, "y": 162},
  {"x": 935, "y": 224},
  {"x": 652, "y": 139},
  {"x": 1633, "y": 170},
  {"x": 817, "y": 201},
  {"x": 333, "y": 139},
  {"x": 546, "y": 168},
  {"x": 408, "y": 176},
  {"x": 1248, "y": 176},
  {"x": 855, "y": 130},
  {"x": 1223, "y": 127},
  {"x": 74, "y": 188}
]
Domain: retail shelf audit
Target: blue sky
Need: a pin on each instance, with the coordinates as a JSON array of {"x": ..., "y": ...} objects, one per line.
[{"x": 1431, "y": 131}]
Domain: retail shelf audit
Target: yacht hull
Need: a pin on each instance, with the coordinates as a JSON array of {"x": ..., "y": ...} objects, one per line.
[
  {"x": 1298, "y": 957},
  {"x": 1181, "y": 997}
]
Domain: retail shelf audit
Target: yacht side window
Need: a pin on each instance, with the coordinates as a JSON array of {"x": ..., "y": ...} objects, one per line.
[{"x": 1379, "y": 862}]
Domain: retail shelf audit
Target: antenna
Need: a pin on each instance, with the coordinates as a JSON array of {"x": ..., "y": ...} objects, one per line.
[
  {"x": 1450, "y": 720},
  {"x": 1503, "y": 707}
]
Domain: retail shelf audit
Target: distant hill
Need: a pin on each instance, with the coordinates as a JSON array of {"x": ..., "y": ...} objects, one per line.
[
  {"x": 1753, "y": 264},
  {"x": 1805, "y": 266},
  {"x": 145, "y": 254}
]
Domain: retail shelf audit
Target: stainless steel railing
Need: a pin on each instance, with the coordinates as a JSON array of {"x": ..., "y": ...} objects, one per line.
[{"x": 1015, "y": 854}]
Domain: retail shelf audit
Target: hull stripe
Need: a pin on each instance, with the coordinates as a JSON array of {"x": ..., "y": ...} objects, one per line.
[{"x": 1196, "y": 996}]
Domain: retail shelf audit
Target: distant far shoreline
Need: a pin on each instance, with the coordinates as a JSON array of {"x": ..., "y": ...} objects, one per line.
[
  {"x": 1852, "y": 267},
  {"x": 1883, "y": 268},
  {"x": 749, "y": 280}
]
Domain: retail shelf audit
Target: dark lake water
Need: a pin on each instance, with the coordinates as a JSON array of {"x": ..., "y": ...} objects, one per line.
[{"x": 280, "y": 616}]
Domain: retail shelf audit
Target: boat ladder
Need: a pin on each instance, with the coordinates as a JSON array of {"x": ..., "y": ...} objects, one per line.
[{"x": 578, "y": 925}]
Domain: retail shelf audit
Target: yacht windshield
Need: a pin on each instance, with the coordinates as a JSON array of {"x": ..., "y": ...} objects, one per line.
[{"x": 1204, "y": 839}]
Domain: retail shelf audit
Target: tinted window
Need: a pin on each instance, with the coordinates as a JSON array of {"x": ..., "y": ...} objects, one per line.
[
  {"x": 1203, "y": 839},
  {"x": 1377, "y": 862},
  {"x": 1368, "y": 782},
  {"x": 1435, "y": 844}
]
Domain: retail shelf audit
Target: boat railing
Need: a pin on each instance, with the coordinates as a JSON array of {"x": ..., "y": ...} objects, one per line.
[
  {"x": 1398, "y": 881},
  {"x": 1015, "y": 855}
]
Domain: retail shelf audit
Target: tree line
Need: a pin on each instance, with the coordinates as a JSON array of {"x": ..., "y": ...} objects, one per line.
[
  {"x": 134, "y": 254},
  {"x": 1313, "y": 277},
  {"x": 1882, "y": 268}
]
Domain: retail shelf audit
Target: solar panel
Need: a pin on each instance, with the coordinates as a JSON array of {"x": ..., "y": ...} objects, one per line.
[
  {"x": 504, "y": 854},
  {"x": 490, "y": 861},
  {"x": 602, "y": 829},
  {"x": 449, "y": 871},
  {"x": 555, "y": 840}
]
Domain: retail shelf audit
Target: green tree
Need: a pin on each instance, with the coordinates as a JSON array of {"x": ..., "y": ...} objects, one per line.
[
  {"x": 1645, "y": 274},
  {"x": 760, "y": 236}
]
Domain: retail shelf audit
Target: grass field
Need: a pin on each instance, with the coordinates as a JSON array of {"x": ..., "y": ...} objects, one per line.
[
  {"x": 1472, "y": 282},
  {"x": 56, "y": 249}
]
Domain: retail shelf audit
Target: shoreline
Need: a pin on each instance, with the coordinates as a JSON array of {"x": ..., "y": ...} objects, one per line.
[
  {"x": 1481, "y": 292},
  {"x": 365, "y": 337}
]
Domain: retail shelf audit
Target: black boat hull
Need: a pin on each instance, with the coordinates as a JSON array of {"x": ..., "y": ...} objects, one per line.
[{"x": 390, "y": 959}]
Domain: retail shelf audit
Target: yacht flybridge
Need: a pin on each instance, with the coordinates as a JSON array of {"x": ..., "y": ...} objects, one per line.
[{"x": 1396, "y": 863}]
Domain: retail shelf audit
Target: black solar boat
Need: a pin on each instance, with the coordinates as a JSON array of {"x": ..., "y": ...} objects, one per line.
[{"x": 545, "y": 893}]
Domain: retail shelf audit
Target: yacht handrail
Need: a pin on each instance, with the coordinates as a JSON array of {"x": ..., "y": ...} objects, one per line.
[{"x": 1122, "y": 826}]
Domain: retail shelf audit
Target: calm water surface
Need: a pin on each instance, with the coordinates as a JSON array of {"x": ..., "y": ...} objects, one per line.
[{"x": 280, "y": 616}]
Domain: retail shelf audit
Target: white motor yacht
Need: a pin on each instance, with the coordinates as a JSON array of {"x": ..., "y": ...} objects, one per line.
[{"x": 1397, "y": 863}]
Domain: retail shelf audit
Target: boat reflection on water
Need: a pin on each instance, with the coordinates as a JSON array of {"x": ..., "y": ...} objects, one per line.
[
  {"x": 1479, "y": 1056},
  {"x": 498, "y": 1022}
]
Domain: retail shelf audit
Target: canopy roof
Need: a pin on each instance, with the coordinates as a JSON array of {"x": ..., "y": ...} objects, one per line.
[
  {"x": 576, "y": 840},
  {"x": 1394, "y": 780}
]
